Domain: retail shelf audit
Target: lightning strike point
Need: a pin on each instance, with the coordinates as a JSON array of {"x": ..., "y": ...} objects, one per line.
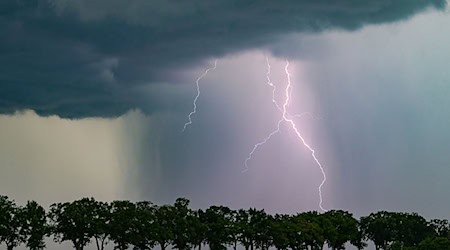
[{"x": 197, "y": 82}]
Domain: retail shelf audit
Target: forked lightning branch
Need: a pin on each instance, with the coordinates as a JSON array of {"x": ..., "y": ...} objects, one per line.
[{"x": 286, "y": 117}]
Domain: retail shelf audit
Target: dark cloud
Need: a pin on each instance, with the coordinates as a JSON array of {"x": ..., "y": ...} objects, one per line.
[{"x": 92, "y": 57}]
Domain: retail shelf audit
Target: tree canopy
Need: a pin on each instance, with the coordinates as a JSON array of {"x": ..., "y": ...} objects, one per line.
[{"x": 144, "y": 225}]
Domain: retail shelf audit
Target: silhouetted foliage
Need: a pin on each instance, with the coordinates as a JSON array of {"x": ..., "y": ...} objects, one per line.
[
  {"x": 198, "y": 228},
  {"x": 163, "y": 226},
  {"x": 218, "y": 221},
  {"x": 144, "y": 225},
  {"x": 279, "y": 231},
  {"x": 122, "y": 222},
  {"x": 244, "y": 225},
  {"x": 441, "y": 228},
  {"x": 182, "y": 230},
  {"x": 74, "y": 221},
  {"x": 142, "y": 231},
  {"x": 35, "y": 225},
  {"x": 341, "y": 228},
  {"x": 101, "y": 220},
  {"x": 11, "y": 223},
  {"x": 439, "y": 243}
]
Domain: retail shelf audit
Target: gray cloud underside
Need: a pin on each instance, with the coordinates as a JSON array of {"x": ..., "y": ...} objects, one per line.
[{"x": 91, "y": 57}]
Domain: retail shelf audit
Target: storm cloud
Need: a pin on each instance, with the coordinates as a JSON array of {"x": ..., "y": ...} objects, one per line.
[{"x": 93, "y": 58}]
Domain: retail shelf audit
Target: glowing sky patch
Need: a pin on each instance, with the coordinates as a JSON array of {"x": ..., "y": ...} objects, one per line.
[{"x": 286, "y": 117}]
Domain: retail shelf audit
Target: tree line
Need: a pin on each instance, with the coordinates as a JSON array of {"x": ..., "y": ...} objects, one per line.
[{"x": 144, "y": 225}]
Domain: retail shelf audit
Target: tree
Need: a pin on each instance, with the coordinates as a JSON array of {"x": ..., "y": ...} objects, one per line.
[
  {"x": 198, "y": 228},
  {"x": 310, "y": 229},
  {"x": 342, "y": 228},
  {"x": 385, "y": 228},
  {"x": 279, "y": 231},
  {"x": 380, "y": 228},
  {"x": 253, "y": 226},
  {"x": 234, "y": 230},
  {"x": 35, "y": 225},
  {"x": 441, "y": 228},
  {"x": 74, "y": 222},
  {"x": 101, "y": 216},
  {"x": 246, "y": 234},
  {"x": 412, "y": 229},
  {"x": 122, "y": 222},
  {"x": 439, "y": 243},
  {"x": 358, "y": 239},
  {"x": 143, "y": 233},
  {"x": 182, "y": 229},
  {"x": 296, "y": 239},
  {"x": 163, "y": 226},
  {"x": 261, "y": 223},
  {"x": 218, "y": 222},
  {"x": 11, "y": 223},
  {"x": 396, "y": 245}
]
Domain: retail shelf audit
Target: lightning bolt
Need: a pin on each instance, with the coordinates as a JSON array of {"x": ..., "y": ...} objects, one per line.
[
  {"x": 275, "y": 131},
  {"x": 270, "y": 83},
  {"x": 288, "y": 118},
  {"x": 274, "y": 101},
  {"x": 259, "y": 144},
  {"x": 297, "y": 132},
  {"x": 197, "y": 82}
]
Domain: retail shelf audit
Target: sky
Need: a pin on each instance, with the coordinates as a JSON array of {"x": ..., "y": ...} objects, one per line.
[{"x": 94, "y": 96}]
